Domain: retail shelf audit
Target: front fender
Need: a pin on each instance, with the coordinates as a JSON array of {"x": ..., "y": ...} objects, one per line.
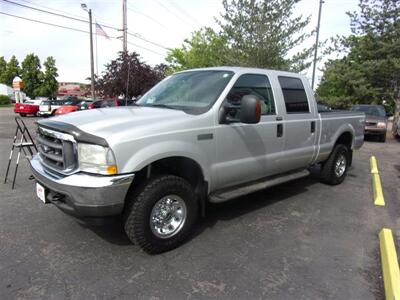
[{"x": 165, "y": 149}]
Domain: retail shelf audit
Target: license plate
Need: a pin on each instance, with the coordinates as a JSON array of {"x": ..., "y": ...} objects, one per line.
[{"x": 41, "y": 192}]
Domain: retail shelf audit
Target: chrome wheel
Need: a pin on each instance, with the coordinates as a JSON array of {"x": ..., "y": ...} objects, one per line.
[
  {"x": 168, "y": 216},
  {"x": 340, "y": 166}
]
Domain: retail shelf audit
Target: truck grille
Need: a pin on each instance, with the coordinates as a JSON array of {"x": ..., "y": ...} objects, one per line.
[{"x": 56, "y": 153}]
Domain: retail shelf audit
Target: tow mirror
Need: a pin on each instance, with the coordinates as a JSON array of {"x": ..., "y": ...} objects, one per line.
[{"x": 250, "y": 110}]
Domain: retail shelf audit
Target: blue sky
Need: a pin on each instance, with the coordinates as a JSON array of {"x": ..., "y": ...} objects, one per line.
[{"x": 165, "y": 22}]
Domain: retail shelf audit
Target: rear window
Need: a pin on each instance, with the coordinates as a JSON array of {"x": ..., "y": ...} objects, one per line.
[{"x": 294, "y": 95}]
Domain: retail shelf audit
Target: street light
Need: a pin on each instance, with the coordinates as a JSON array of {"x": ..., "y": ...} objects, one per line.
[{"x": 85, "y": 8}]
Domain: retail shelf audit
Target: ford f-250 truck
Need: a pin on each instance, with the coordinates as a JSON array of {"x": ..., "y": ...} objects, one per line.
[{"x": 200, "y": 135}]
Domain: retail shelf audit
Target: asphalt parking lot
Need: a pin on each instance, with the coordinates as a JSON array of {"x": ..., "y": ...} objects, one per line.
[{"x": 300, "y": 240}]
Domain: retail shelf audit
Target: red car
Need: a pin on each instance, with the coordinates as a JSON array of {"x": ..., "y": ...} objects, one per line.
[
  {"x": 27, "y": 108},
  {"x": 72, "y": 106}
]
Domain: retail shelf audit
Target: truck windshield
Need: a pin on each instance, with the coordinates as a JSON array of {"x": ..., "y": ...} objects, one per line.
[{"x": 192, "y": 92}]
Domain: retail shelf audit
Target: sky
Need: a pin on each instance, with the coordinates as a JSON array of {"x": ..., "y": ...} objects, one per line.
[{"x": 164, "y": 23}]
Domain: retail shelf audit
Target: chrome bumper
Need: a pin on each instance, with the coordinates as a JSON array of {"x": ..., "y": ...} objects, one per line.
[{"x": 84, "y": 195}]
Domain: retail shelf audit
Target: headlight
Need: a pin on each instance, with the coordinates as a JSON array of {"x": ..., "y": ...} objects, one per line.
[
  {"x": 96, "y": 159},
  {"x": 381, "y": 125}
]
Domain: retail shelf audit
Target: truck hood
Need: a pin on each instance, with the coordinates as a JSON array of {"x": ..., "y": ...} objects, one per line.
[{"x": 110, "y": 123}]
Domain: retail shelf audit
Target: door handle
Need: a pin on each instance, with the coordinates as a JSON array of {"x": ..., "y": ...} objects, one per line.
[
  {"x": 279, "y": 130},
  {"x": 312, "y": 126},
  {"x": 279, "y": 118}
]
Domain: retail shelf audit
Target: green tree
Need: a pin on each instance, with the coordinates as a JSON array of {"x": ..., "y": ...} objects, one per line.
[
  {"x": 31, "y": 75},
  {"x": 3, "y": 66},
  {"x": 12, "y": 69},
  {"x": 370, "y": 70},
  {"x": 49, "y": 83},
  {"x": 254, "y": 33},
  {"x": 206, "y": 48}
]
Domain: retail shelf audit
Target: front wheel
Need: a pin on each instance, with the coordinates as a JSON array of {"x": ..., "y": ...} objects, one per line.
[
  {"x": 334, "y": 170},
  {"x": 161, "y": 214}
]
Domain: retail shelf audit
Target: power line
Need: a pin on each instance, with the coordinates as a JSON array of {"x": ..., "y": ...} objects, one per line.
[
  {"x": 74, "y": 29},
  {"x": 155, "y": 52},
  {"x": 56, "y": 14},
  {"x": 184, "y": 12},
  {"x": 41, "y": 22},
  {"x": 173, "y": 13},
  {"x": 137, "y": 35}
]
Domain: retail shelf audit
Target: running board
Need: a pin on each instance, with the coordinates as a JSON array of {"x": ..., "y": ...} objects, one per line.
[{"x": 235, "y": 192}]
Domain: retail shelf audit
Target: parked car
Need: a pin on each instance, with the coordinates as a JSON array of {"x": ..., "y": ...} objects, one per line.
[
  {"x": 69, "y": 106},
  {"x": 376, "y": 121},
  {"x": 30, "y": 107},
  {"x": 49, "y": 107},
  {"x": 200, "y": 135},
  {"x": 103, "y": 103}
]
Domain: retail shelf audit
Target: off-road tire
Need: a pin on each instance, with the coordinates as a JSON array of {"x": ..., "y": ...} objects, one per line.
[
  {"x": 328, "y": 174},
  {"x": 140, "y": 204}
]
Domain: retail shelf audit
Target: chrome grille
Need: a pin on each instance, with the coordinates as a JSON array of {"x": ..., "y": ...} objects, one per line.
[{"x": 57, "y": 150}]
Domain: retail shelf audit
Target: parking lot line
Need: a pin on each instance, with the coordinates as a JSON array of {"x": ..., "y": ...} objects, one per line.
[
  {"x": 374, "y": 165},
  {"x": 390, "y": 265}
]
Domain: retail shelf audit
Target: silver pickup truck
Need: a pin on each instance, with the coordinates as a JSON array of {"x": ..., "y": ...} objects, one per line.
[{"x": 200, "y": 135}]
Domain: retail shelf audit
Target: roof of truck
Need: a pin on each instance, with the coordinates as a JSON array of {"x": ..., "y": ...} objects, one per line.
[{"x": 246, "y": 70}]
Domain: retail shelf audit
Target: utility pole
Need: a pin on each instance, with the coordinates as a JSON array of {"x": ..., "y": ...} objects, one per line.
[
  {"x": 316, "y": 45},
  {"x": 84, "y": 7},
  {"x": 124, "y": 27}
]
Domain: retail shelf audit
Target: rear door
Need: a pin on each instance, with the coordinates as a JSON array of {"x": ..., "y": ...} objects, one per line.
[{"x": 300, "y": 123}]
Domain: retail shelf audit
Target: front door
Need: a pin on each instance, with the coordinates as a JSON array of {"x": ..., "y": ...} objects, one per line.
[{"x": 247, "y": 152}]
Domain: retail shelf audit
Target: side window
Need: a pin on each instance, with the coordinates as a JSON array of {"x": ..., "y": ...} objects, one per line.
[
  {"x": 253, "y": 84},
  {"x": 294, "y": 95}
]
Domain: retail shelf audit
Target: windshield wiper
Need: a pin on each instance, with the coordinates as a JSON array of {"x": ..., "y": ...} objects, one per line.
[{"x": 160, "y": 105}]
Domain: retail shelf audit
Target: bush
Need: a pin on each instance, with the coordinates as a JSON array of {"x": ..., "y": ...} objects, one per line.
[{"x": 4, "y": 100}]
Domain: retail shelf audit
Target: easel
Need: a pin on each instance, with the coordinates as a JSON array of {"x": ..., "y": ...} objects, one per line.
[{"x": 24, "y": 142}]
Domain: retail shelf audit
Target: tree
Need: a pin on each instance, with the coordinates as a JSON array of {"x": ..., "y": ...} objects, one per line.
[
  {"x": 370, "y": 70},
  {"x": 12, "y": 69},
  {"x": 253, "y": 33},
  {"x": 206, "y": 48},
  {"x": 31, "y": 75},
  {"x": 128, "y": 75},
  {"x": 3, "y": 66},
  {"x": 49, "y": 84}
]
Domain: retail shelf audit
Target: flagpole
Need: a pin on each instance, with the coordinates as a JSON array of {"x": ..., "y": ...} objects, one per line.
[{"x": 97, "y": 54}]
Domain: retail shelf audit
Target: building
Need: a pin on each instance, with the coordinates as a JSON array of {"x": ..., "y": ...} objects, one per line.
[{"x": 73, "y": 89}]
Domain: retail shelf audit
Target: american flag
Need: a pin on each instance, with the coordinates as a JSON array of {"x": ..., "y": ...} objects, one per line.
[{"x": 100, "y": 31}]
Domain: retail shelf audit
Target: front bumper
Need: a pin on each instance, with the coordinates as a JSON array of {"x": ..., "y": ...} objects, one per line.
[
  {"x": 44, "y": 113},
  {"x": 83, "y": 195},
  {"x": 370, "y": 130}
]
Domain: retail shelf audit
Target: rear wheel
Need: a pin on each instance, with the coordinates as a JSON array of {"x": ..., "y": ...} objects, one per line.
[
  {"x": 22, "y": 115},
  {"x": 334, "y": 170},
  {"x": 161, "y": 214}
]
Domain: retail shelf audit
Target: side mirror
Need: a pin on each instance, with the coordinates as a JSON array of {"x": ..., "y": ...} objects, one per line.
[{"x": 250, "y": 110}]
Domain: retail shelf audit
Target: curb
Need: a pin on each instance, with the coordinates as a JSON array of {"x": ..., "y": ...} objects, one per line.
[
  {"x": 374, "y": 165},
  {"x": 377, "y": 187},
  {"x": 390, "y": 265},
  {"x": 376, "y": 183}
]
